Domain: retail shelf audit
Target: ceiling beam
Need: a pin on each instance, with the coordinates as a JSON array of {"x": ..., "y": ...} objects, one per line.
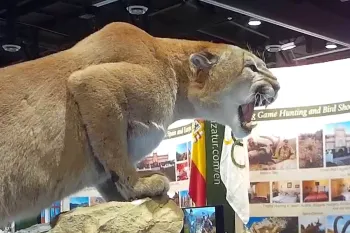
[
  {"x": 249, "y": 29},
  {"x": 30, "y": 6},
  {"x": 322, "y": 54},
  {"x": 297, "y": 17},
  {"x": 21, "y": 24}
]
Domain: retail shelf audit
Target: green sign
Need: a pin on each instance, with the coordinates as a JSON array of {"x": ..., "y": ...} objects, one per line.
[
  {"x": 216, "y": 190},
  {"x": 301, "y": 112}
]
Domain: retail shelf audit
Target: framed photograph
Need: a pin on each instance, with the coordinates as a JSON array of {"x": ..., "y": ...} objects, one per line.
[
  {"x": 297, "y": 186},
  {"x": 289, "y": 185}
]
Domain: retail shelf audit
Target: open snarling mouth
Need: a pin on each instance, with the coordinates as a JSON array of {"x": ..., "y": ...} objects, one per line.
[{"x": 246, "y": 111}]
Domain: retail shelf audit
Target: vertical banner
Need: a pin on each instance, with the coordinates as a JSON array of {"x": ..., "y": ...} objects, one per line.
[{"x": 216, "y": 191}]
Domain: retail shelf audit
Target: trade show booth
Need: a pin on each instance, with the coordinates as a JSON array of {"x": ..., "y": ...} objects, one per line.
[{"x": 295, "y": 164}]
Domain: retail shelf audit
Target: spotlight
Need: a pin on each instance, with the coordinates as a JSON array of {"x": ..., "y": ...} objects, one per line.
[
  {"x": 12, "y": 48},
  {"x": 331, "y": 45},
  {"x": 288, "y": 46},
  {"x": 254, "y": 22}
]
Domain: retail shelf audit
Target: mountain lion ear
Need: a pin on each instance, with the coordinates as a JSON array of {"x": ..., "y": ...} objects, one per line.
[{"x": 203, "y": 60}]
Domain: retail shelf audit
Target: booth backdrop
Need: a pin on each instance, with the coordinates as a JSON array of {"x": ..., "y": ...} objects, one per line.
[
  {"x": 299, "y": 154},
  {"x": 299, "y": 157}
]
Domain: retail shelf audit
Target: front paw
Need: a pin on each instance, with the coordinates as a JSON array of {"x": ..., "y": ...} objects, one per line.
[{"x": 152, "y": 186}]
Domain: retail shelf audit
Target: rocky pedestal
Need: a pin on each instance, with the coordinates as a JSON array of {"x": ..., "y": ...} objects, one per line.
[{"x": 145, "y": 215}]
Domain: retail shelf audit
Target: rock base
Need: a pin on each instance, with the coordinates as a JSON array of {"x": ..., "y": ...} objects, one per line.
[{"x": 146, "y": 216}]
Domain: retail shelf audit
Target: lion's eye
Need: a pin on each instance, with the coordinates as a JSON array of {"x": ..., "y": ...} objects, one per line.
[{"x": 253, "y": 68}]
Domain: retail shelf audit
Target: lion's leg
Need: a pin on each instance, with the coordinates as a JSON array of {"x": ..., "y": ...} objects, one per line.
[
  {"x": 109, "y": 191},
  {"x": 107, "y": 188},
  {"x": 102, "y": 105}
]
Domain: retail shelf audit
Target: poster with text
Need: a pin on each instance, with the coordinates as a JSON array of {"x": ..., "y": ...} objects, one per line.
[
  {"x": 299, "y": 154},
  {"x": 172, "y": 157}
]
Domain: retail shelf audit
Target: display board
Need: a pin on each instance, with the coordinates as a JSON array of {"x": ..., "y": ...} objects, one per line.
[
  {"x": 299, "y": 154},
  {"x": 172, "y": 157}
]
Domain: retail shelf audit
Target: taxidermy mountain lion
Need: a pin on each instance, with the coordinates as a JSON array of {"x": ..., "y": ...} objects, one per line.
[{"x": 85, "y": 116}]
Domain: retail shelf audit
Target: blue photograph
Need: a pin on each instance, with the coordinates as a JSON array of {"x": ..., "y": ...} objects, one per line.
[
  {"x": 333, "y": 127},
  {"x": 337, "y": 141},
  {"x": 339, "y": 223},
  {"x": 75, "y": 202},
  {"x": 181, "y": 152},
  {"x": 42, "y": 216},
  {"x": 253, "y": 220},
  {"x": 185, "y": 199},
  {"x": 199, "y": 220},
  {"x": 55, "y": 209}
]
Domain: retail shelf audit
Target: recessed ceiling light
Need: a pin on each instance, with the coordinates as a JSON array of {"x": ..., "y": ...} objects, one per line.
[
  {"x": 12, "y": 48},
  {"x": 229, "y": 18},
  {"x": 137, "y": 10},
  {"x": 331, "y": 45},
  {"x": 288, "y": 46},
  {"x": 254, "y": 22},
  {"x": 273, "y": 48}
]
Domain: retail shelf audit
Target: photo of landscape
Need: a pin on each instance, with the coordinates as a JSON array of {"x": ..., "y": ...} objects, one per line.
[{"x": 75, "y": 202}]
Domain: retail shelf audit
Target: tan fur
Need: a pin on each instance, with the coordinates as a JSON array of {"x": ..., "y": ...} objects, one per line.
[{"x": 59, "y": 112}]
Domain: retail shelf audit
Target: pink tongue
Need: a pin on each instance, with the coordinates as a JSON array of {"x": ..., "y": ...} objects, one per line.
[{"x": 248, "y": 110}]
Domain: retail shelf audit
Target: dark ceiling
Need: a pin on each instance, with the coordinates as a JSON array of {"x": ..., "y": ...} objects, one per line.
[{"x": 41, "y": 27}]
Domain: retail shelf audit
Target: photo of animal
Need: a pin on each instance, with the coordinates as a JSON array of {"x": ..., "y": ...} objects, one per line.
[
  {"x": 175, "y": 196},
  {"x": 312, "y": 224},
  {"x": 268, "y": 152},
  {"x": 87, "y": 115},
  {"x": 273, "y": 225},
  {"x": 338, "y": 224},
  {"x": 310, "y": 149}
]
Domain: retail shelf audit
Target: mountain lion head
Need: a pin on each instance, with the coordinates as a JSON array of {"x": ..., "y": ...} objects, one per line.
[{"x": 227, "y": 83}]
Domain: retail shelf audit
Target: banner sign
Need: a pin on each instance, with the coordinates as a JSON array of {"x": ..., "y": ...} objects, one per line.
[
  {"x": 216, "y": 191},
  {"x": 301, "y": 112},
  {"x": 178, "y": 131}
]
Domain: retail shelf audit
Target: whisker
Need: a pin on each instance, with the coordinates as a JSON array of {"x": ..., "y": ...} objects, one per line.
[
  {"x": 249, "y": 98},
  {"x": 267, "y": 100},
  {"x": 261, "y": 100}
]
